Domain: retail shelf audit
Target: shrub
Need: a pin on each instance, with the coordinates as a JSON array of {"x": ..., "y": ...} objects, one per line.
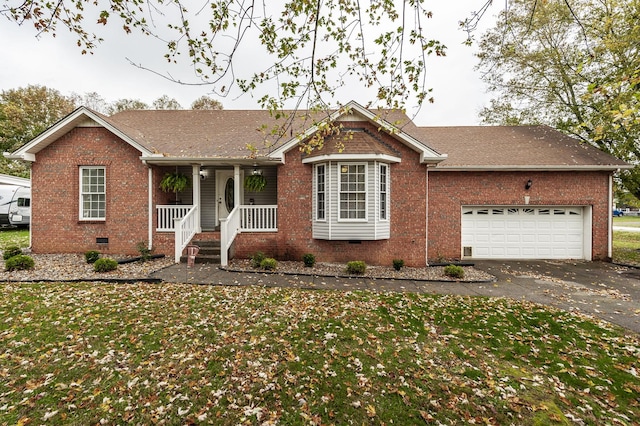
[
  {"x": 144, "y": 250},
  {"x": 257, "y": 258},
  {"x": 356, "y": 267},
  {"x": 11, "y": 251},
  {"x": 105, "y": 265},
  {"x": 19, "y": 262},
  {"x": 91, "y": 256},
  {"x": 268, "y": 264},
  {"x": 398, "y": 264},
  {"x": 309, "y": 260},
  {"x": 454, "y": 271}
]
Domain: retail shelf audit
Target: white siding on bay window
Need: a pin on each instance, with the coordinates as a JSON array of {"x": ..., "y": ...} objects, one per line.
[{"x": 334, "y": 228}]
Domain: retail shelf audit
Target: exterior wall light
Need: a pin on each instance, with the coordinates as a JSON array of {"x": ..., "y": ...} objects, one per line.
[{"x": 528, "y": 184}]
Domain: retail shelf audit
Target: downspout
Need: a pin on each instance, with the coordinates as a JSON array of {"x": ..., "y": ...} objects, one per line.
[
  {"x": 150, "y": 208},
  {"x": 426, "y": 219},
  {"x": 610, "y": 221}
]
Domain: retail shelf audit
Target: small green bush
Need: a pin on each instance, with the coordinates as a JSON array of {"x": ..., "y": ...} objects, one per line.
[
  {"x": 398, "y": 264},
  {"x": 105, "y": 265},
  {"x": 309, "y": 260},
  {"x": 11, "y": 251},
  {"x": 257, "y": 258},
  {"x": 268, "y": 264},
  {"x": 454, "y": 271},
  {"x": 145, "y": 251},
  {"x": 356, "y": 267},
  {"x": 19, "y": 262},
  {"x": 91, "y": 256}
]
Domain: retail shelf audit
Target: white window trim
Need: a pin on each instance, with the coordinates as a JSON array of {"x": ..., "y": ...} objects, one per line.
[
  {"x": 366, "y": 192},
  {"x": 387, "y": 191},
  {"x": 80, "y": 194},
  {"x": 326, "y": 192}
]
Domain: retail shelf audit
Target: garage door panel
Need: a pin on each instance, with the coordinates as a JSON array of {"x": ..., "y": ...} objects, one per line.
[{"x": 524, "y": 232}]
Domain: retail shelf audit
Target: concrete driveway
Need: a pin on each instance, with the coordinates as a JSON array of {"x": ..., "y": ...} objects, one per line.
[{"x": 599, "y": 289}]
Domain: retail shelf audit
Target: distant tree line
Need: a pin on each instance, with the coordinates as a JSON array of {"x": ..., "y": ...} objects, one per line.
[{"x": 26, "y": 112}]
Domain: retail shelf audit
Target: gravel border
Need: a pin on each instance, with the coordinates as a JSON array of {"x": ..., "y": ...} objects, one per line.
[
  {"x": 73, "y": 267},
  {"x": 429, "y": 273}
]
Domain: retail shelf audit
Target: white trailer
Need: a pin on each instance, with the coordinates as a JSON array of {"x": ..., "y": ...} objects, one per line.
[{"x": 15, "y": 205}]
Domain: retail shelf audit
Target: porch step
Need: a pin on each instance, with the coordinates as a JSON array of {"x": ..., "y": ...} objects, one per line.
[{"x": 209, "y": 252}]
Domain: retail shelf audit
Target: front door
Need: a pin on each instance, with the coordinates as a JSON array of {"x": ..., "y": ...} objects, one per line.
[{"x": 225, "y": 193}]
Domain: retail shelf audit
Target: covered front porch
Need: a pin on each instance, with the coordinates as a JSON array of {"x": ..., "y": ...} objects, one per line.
[{"x": 217, "y": 200}]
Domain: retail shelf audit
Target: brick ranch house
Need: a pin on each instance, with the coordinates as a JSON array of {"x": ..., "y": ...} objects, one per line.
[{"x": 393, "y": 190}]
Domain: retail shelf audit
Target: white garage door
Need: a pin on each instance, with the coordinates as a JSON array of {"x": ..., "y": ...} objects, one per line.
[{"x": 523, "y": 232}]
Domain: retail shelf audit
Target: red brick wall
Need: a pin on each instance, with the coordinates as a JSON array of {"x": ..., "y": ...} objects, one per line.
[
  {"x": 56, "y": 227},
  {"x": 449, "y": 191},
  {"x": 294, "y": 238}
]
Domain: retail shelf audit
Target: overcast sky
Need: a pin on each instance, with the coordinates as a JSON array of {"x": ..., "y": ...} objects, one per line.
[{"x": 58, "y": 63}]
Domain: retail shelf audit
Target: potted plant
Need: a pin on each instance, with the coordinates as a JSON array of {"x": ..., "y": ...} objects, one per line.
[
  {"x": 255, "y": 183},
  {"x": 174, "y": 182}
]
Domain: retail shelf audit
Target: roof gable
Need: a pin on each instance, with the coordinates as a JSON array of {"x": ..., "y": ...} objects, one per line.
[
  {"x": 81, "y": 117},
  {"x": 347, "y": 113}
]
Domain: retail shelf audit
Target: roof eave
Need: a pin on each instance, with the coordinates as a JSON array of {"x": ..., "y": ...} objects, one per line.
[
  {"x": 549, "y": 168},
  {"x": 162, "y": 160}
]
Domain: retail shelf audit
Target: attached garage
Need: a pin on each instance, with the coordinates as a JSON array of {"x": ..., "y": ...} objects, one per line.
[{"x": 526, "y": 232}]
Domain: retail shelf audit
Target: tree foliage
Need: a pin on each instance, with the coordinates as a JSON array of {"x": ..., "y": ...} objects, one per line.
[
  {"x": 165, "y": 102},
  {"x": 301, "y": 50},
  {"x": 126, "y": 104},
  {"x": 24, "y": 113},
  {"x": 205, "y": 102},
  {"x": 572, "y": 65}
]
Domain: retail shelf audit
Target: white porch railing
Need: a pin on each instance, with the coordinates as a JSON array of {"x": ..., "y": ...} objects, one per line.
[
  {"x": 245, "y": 219},
  {"x": 167, "y": 216},
  {"x": 258, "y": 218},
  {"x": 185, "y": 228},
  {"x": 229, "y": 228}
]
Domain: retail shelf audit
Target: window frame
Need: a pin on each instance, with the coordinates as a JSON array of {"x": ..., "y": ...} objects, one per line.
[
  {"x": 82, "y": 194},
  {"x": 383, "y": 202},
  {"x": 365, "y": 192},
  {"x": 324, "y": 192}
]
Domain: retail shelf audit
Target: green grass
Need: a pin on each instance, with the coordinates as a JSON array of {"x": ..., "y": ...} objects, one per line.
[
  {"x": 14, "y": 236},
  {"x": 631, "y": 221},
  {"x": 182, "y": 354},
  {"x": 626, "y": 245}
]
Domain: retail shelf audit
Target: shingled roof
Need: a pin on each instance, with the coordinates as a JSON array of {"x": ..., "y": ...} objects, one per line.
[
  {"x": 513, "y": 147},
  {"x": 215, "y": 135}
]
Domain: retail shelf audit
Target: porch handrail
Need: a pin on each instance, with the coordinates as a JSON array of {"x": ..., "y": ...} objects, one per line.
[
  {"x": 262, "y": 218},
  {"x": 229, "y": 228},
  {"x": 168, "y": 214},
  {"x": 185, "y": 228}
]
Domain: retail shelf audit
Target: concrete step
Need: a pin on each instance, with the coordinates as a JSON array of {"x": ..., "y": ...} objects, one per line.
[{"x": 209, "y": 252}]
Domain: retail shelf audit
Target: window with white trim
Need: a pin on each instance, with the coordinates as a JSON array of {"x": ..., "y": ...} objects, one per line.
[
  {"x": 384, "y": 183},
  {"x": 353, "y": 192},
  {"x": 321, "y": 178},
  {"x": 93, "y": 194}
]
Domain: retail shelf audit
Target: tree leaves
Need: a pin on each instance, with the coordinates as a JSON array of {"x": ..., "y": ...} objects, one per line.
[
  {"x": 97, "y": 353},
  {"x": 310, "y": 49}
]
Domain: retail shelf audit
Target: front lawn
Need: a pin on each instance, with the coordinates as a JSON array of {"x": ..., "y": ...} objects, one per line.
[{"x": 185, "y": 354}]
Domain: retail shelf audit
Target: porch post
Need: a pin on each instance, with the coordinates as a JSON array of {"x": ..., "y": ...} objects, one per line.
[
  {"x": 195, "y": 178},
  {"x": 237, "y": 185}
]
